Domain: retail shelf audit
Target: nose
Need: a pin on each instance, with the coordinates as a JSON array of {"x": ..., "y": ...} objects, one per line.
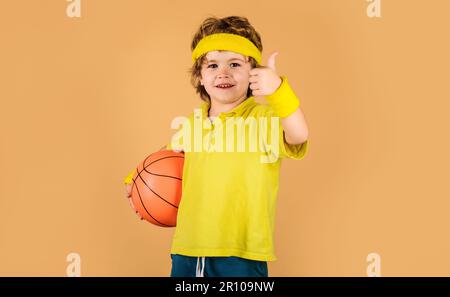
[{"x": 224, "y": 73}]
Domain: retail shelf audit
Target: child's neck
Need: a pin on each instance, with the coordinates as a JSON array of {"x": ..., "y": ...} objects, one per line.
[{"x": 218, "y": 107}]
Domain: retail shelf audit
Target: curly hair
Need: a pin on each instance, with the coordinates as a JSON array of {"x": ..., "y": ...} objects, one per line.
[{"x": 231, "y": 24}]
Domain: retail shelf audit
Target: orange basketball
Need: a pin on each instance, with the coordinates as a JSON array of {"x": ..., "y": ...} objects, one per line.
[{"x": 156, "y": 187}]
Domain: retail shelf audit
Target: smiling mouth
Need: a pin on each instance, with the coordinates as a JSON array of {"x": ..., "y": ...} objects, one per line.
[{"x": 224, "y": 86}]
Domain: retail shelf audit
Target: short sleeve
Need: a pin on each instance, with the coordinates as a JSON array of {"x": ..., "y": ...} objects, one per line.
[
  {"x": 293, "y": 151},
  {"x": 285, "y": 149},
  {"x": 180, "y": 140},
  {"x": 179, "y": 147}
]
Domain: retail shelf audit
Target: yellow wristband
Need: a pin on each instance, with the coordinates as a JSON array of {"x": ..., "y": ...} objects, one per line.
[
  {"x": 283, "y": 100},
  {"x": 129, "y": 179}
]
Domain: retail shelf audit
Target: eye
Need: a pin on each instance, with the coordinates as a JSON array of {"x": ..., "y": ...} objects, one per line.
[
  {"x": 209, "y": 66},
  {"x": 238, "y": 65}
]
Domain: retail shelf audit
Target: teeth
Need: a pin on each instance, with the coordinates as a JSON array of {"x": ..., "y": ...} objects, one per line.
[{"x": 224, "y": 86}]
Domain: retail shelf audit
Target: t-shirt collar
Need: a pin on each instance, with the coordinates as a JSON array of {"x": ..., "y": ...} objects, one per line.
[{"x": 236, "y": 111}]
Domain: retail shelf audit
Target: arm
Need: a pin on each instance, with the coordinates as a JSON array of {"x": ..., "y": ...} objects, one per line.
[
  {"x": 264, "y": 81},
  {"x": 287, "y": 106},
  {"x": 295, "y": 127}
]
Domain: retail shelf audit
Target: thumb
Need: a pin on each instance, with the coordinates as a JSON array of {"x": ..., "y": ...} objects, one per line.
[{"x": 271, "y": 61}]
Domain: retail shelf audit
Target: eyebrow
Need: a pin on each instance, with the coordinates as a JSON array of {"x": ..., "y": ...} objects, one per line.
[{"x": 233, "y": 59}]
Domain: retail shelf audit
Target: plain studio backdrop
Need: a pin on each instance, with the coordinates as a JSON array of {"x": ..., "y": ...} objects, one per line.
[{"x": 84, "y": 99}]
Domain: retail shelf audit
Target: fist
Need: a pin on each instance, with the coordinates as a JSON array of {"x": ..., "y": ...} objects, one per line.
[{"x": 264, "y": 80}]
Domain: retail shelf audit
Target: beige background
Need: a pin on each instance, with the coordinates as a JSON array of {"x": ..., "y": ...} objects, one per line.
[{"x": 83, "y": 100}]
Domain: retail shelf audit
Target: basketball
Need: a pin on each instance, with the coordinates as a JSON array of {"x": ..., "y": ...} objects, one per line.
[{"x": 156, "y": 187}]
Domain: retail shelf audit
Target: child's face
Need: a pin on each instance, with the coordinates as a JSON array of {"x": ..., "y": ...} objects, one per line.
[{"x": 225, "y": 67}]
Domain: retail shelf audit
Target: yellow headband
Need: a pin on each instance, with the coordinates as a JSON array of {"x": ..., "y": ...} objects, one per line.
[{"x": 227, "y": 42}]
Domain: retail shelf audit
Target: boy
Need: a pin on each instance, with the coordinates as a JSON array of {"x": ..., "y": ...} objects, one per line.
[{"x": 226, "y": 215}]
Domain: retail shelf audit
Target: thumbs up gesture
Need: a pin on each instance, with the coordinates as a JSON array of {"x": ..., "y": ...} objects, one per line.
[{"x": 265, "y": 80}]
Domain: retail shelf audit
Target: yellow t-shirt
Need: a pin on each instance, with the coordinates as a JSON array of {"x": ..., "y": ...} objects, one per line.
[{"x": 229, "y": 197}]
